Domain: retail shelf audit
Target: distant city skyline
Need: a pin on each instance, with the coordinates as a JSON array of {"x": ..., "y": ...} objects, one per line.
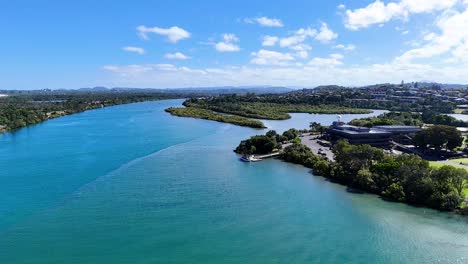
[{"x": 175, "y": 44}]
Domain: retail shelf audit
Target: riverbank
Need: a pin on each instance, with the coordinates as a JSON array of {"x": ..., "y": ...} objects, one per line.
[
  {"x": 19, "y": 111},
  {"x": 399, "y": 178}
]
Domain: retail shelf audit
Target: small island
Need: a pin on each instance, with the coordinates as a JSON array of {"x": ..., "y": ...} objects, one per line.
[{"x": 210, "y": 115}]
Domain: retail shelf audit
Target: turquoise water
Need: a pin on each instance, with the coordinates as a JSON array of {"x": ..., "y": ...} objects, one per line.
[{"x": 132, "y": 184}]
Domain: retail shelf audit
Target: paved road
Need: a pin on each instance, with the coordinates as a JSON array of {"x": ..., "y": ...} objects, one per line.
[{"x": 311, "y": 142}]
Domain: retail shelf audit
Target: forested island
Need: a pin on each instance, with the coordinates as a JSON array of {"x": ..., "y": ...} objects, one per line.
[{"x": 210, "y": 115}]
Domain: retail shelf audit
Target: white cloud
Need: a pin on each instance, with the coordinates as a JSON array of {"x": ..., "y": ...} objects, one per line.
[
  {"x": 269, "y": 41},
  {"x": 174, "y": 34},
  {"x": 349, "y": 47},
  {"x": 452, "y": 40},
  {"x": 228, "y": 43},
  {"x": 230, "y": 38},
  {"x": 325, "y": 34},
  {"x": 177, "y": 56},
  {"x": 302, "y": 50},
  {"x": 226, "y": 47},
  {"x": 167, "y": 75},
  {"x": 265, "y": 21},
  {"x": 134, "y": 49},
  {"x": 298, "y": 37},
  {"x": 341, "y": 6},
  {"x": 332, "y": 61},
  {"x": 378, "y": 12},
  {"x": 303, "y": 54},
  {"x": 268, "y": 57}
]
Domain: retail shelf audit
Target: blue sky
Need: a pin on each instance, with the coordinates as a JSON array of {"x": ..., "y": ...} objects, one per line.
[{"x": 73, "y": 44}]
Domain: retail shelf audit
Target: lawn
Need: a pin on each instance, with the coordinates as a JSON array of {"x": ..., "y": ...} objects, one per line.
[
  {"x": 437, "y": 164},
  {"x": 462, "y": 160}
]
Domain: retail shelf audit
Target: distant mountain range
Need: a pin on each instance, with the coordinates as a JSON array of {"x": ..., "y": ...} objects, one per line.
[
  {"x": 219, "y": 90},
  {"x": 204, "y": 90}
]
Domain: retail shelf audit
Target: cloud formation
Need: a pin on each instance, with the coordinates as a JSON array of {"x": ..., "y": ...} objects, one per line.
[
  {"x": 268, "y": 57},
  {"x": 332, "y": 61},
  {"x": 269, "y": 41},
  {"x": 265, "y": 21},
  {"x": 177, "y": 56},
  {"x": 298, "y": 37},
  {"x": 452, "y": 40},
  {"x": 228, "y": 43},
  {"x": 349, "y": 47},
  {"x": 378, "y": 12},
  {"x": 138, "y": 50},
  {"x": 325, "y": 34},
  {"x": 174, "y": 34},
  {"x": 163, "y": 75}
]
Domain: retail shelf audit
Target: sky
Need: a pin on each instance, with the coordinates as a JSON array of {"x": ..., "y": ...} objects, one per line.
[{"x": 185, "y": 43}]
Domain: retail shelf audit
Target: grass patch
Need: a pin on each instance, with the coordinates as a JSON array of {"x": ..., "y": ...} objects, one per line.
[
  {"x": 462, "y": 160},
  {"x": 437, "y": 164}
]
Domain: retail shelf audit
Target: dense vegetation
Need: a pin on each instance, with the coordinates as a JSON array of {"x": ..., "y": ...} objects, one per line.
[
  {"x": 391, "y": 118},
  {"x": 20, "y": 110},
  {"x": 402, "y": 178},
  {"x": 210, "y": 115},
  {"x": 351, "y": 98},
  {"x": 264, "y": 144},
  {"x": 409, "y": 119},
  {"x": 253, "y": 107},
  {"x": 438, "y": 137},
  {"x": 431, "y": 117}
]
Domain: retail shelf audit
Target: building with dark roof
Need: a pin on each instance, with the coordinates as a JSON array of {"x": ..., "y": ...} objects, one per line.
[{"x": 376, "y": 136}]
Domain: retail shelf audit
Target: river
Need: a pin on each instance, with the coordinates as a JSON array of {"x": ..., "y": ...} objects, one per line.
[{"x": 132, "y": 184}]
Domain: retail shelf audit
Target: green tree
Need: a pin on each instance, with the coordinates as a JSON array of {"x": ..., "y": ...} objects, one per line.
[
  {"x": 394, "y": 192},
  {"x": 290, "y": 134},
  {"x": 356, "y": 157},
  {"x": 317, "y": 127},
  {"x": 257, "y": 145},
  {"x": 438, "y": 137}
]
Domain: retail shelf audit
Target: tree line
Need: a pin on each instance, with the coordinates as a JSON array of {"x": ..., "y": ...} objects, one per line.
[
  {"x": 20, "y": 110},
  {"x": 409, "y": 119},
  {"x": 210, "y": 115},
  {"x": 401, "y": 178}
]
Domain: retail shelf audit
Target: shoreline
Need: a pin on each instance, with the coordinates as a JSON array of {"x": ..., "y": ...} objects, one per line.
[
  {"x": 404, "y": 178},
  {"x": 62, "y": 113}
]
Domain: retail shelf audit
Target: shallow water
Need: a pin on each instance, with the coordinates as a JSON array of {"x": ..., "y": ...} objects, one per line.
[{"x": 132, "y": 184}]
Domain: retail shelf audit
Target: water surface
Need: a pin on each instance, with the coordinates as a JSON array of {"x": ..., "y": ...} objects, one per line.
[{"x": 132, "y": 184}]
